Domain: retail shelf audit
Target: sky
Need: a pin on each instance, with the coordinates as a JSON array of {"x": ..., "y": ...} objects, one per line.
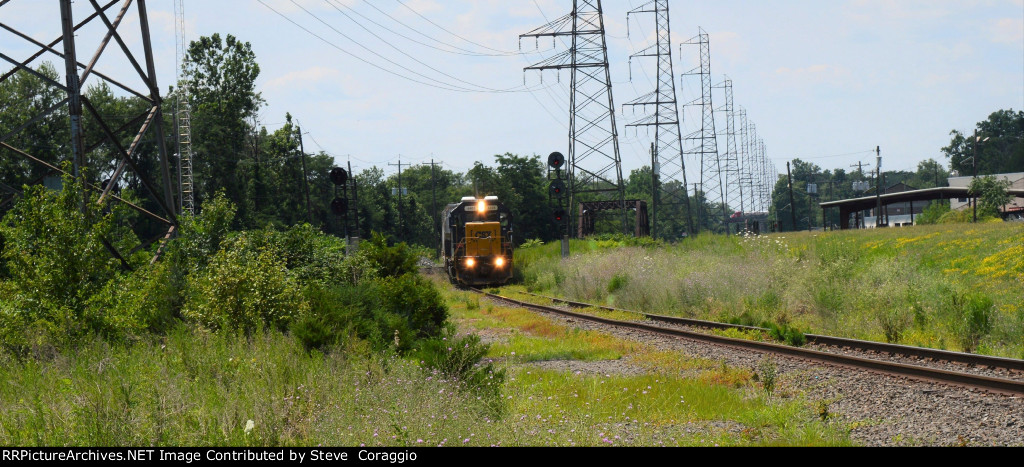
[{"x": 373, "y": 82}]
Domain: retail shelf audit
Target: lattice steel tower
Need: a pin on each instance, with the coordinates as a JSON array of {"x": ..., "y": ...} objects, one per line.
[
  {"x": 733, "y": 188},
  {"x": 106, "y": 131},
  {"x": 595, "y": 167},
  {"x": 667, "y": 161},
  {"x": 747, "y": 164},
  {"x": 705, "y": 140},
  {"x": 184, "y": 122}
]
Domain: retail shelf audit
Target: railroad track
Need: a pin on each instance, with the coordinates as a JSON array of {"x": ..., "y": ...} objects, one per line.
[{"x": 956, "y": 378}]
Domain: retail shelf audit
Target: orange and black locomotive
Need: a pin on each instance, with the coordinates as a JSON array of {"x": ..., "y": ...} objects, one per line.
[{"x": 476, "y": 240}]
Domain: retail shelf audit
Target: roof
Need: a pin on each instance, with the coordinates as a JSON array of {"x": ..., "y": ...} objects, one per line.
[{"x": 928, "y": 194}]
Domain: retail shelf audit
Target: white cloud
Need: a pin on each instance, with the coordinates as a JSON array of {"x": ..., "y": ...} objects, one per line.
[
  {"x": 1007, "y": 31},
  {"x": 302, "y": 78}
]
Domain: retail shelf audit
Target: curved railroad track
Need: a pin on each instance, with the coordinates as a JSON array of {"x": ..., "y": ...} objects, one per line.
[{"x": 992, "y": 384}]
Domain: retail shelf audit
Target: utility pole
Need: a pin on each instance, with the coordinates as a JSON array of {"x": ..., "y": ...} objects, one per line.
[
  {"x": 878, "y": 189},
  {"x": 810, "y": 205},
  {"x": 305, "y": 178},
  {"x": 433, "y": 193},
  {"x": 401, "y": 230},
  {"x": 354, "y": 208},
  {"x": 654, "y": 191},
  {"x": 974, "y": 162},
  {"x": 700, "y": 208},
  {"x": 792, "y": 201}
]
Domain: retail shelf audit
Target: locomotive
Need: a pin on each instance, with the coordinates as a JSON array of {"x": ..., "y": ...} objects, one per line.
[{"x": 476, "y": 241}]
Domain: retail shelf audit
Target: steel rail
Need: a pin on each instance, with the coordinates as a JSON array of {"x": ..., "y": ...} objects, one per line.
[
  {"x": 995, "y": 385},
  {"x": 880, "y": 347}
]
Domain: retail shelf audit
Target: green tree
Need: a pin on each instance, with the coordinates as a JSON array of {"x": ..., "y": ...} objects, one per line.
[
  {"x": 1003, "y": 152},
  {"x": 22, "y": 97},
  {"x": 222, "y": 78},
  {"x": 992, "y": 195}
]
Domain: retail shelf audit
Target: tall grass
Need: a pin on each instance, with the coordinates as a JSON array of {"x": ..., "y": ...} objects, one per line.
[{"x": 891, "y": 284}]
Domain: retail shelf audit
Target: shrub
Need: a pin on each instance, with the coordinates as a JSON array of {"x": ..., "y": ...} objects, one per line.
[
  {"x": 243, "y": 289},
  {"x": 55, "y": 258},
  {"x": 131, "y": 304},
  {"x": 459, "y": 357},
  {"x": 333, "y": 316},
  {"x": 785, "y": 333},
  {"x": 617, "y": 283},
  {"x": 933, "y": 213},
  {"x": 201, "y": 236},
  {"x": 388, "y": 261}
]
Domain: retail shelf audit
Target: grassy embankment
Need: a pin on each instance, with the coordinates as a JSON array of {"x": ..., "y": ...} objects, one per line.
[
  {"x": 954, "y": 287},
  {"x": 192, "y": 387}
]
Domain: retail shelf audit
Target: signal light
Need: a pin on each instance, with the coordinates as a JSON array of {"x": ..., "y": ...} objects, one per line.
[
  {"x": 339, "y": 176},
  {"x": 560, "y": 215},
  {"x": 557, "y": 188},
  {"x": 556, "y": 160},
  {"x": 339, "y": 206}
]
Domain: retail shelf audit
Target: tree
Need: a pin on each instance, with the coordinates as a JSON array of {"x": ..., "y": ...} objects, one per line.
[
  {"x": 1003, "y": 152},
  {"x": 992, "y": 194},
  {"x": 222, "y": 79},
  {"x": 22, "y": 97}
]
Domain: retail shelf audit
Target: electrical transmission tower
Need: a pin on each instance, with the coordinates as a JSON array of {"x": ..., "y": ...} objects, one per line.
[
  {"x": 667, "y": 162},
  {"x": 705, "y": 140},
  {"x": 729, "y": 162},
  {"x": 747, "y": 163},
  {"x": 595, "y": 168},
  {"x": 184, "y": 120},
  {"x": 106, "y": 131}
]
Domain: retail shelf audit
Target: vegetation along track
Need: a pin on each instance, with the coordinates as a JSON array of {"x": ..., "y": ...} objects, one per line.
[{"x": 956, "y": 378}]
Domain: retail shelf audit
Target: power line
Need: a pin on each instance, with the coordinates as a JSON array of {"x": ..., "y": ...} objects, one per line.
[
  {"x": 437, "y": 84},
  {"x": 458, "y": 50},
  {"x": 389, "y": 44},
  {"x": 452, "y": 33}
]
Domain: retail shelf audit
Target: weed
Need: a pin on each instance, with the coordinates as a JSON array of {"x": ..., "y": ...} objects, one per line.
[{"x": 767, "y": 373}]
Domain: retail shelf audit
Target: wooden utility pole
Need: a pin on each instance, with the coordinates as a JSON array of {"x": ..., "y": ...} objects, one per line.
[
  {"x": 401, "y": 230},
  {"x": 433, "y": 193},
  {"x": 878, "y": 189},
  {"x": 305, "y": 178}
]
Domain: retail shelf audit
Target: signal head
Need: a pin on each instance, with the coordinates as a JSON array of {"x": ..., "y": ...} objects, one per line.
[
  {"x": 339, "y": 176},
  {"x": 556, "y": 160},
  {"x": 560, "y": 215},
  {"x": 339, "y": 206},
  {"x": 557, "y": 188}
]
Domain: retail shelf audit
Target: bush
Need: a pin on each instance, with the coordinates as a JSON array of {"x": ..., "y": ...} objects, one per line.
[
  {"x": 933, "y": 213},
  {"x": 333, "y": 316},
  {"x": 458, "y": 357},
  {"x": 388, "y": 261},
  {"x": 135, "y": 303},
  {"x": 243, "y": 289},
  {"x": 55, "y": 258}
]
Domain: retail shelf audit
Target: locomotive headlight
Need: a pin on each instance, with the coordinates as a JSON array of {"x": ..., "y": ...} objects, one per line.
[
  {"x": 500, "y": 262},
  {"x": 470, "y": 262},
  {"x": 481, "y": 207}
]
